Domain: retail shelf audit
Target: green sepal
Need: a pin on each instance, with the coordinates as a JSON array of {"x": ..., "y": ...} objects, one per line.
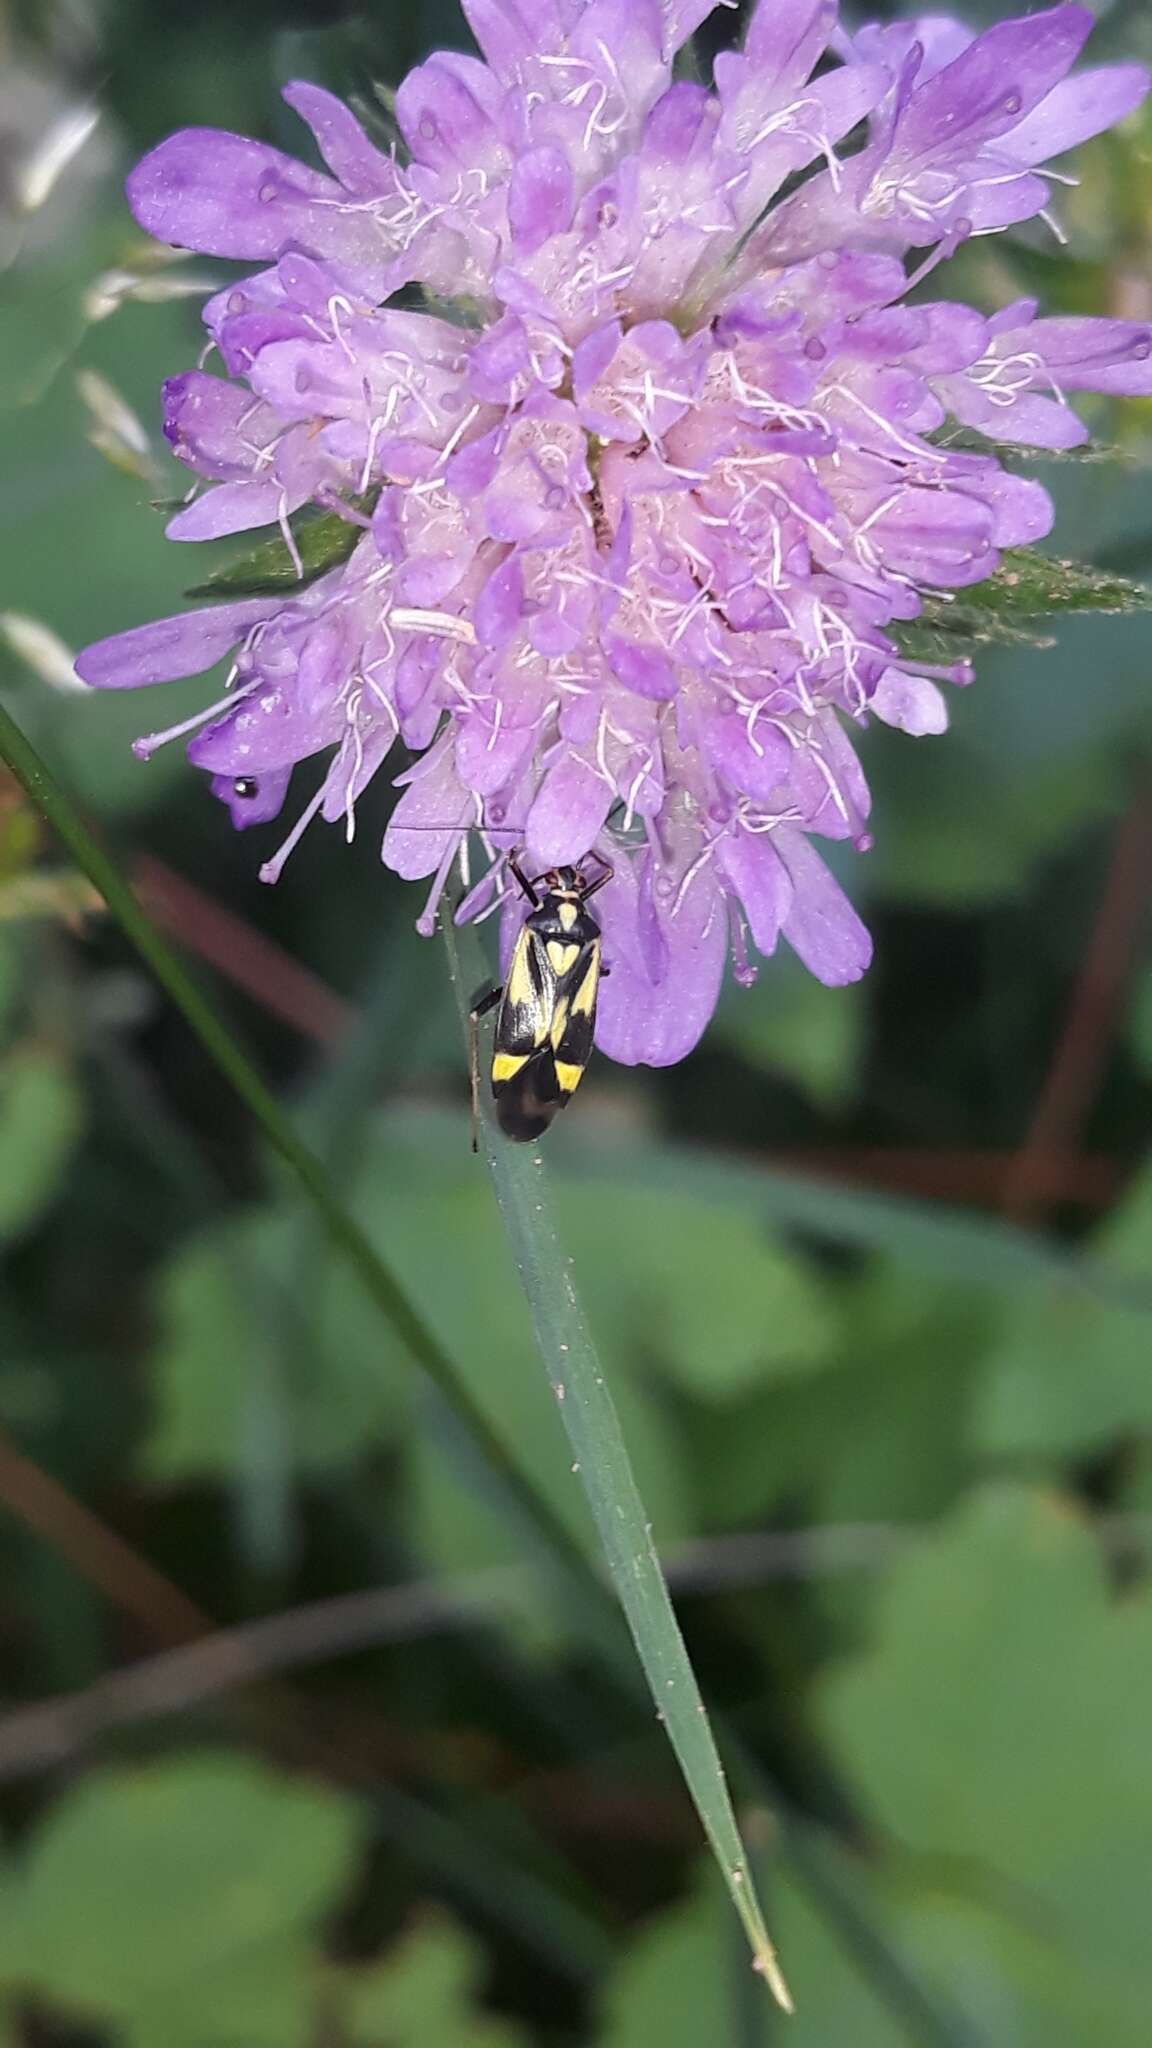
[
  {"x": 1027, "y": 586},
  {"x": 324, "y": 540}
]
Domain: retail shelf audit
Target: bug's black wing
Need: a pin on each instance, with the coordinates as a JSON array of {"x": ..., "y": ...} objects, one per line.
[
  {"x": 524, "y": 1084},
  {"x": 574, "y": 1017}
]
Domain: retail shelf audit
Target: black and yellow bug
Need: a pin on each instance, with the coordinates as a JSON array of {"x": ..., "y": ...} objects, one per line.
[{"x": 547, "y": 1006}]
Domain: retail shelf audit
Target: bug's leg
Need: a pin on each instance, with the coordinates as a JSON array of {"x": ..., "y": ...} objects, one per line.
[
  {"x": 606, "y": 876},
  {"x": 527, "y": 887},
  {"x": 479, "y": 1009}
]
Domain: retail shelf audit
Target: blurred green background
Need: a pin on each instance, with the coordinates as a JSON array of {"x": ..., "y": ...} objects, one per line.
[{"x": 301, "y": 1746}]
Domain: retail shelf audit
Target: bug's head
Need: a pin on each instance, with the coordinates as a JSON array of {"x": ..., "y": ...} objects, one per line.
[{"x": 566, "y": 882}]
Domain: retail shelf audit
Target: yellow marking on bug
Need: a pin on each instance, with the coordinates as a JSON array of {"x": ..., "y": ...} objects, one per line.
[
  {"x": 506, "y": 1065},
  {"x": 567, "y": 916},
  {"x": 560, "y": 956},
  {"x": 584, "y": 1000},
  {"x": 559, "y": 1024},
  {"x": 520, "y": 990},
  {"x": 568, "y": 1077}
]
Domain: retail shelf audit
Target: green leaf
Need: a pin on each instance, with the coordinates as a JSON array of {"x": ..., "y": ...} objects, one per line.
[
  {"x": 1028, "y": 585},
  {"x": 695, "y": 1289},
  {"x": 997, "y": 1731},
  {"x": 605, "y": 1473},
  {"x": 1069, "y": 1372},
  {"x": 40, "y": 1121},
  {"x": 323, "y": 539},
  {"x": 422, "y": 1995},
  {"x": 181, "y": 1900},
  {"x": 873, "y": 1438},
  {"x": 222, "y": 1308}
]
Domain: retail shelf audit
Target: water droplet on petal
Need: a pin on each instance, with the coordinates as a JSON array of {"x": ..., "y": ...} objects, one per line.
[
  {"x": 429, "y": 127},
  {"x": 1013, "y": 101},
  {"x": 246, "y": 788},
  {"x": 268, "y": 189}
]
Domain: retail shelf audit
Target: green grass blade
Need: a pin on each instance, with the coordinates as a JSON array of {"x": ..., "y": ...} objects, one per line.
[{"x": 604, "y": 1469}]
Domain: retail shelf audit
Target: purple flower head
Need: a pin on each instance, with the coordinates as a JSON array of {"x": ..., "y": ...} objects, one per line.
[{"x": 635, "y": 503}]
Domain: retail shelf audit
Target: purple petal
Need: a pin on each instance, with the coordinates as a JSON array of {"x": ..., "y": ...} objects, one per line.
[
  {"x": 681, "y": 19},
  {"x": 1093, "y": 354},
  {"x": 1022, "y": 510},
  {"x": 821, "y": 926},
  {"x": 1030, "y": 420},
  {"x": 212, "y": 425},
  {"x": 647, "y": 670},
  {"x": 754, "y": 762},
  {"x": 761, "y": 881},
  {"x": 911, "y": 703},
  {"x": 994, "y": 84},
  {"x": 429, "y": 818},
  {"x": 1076, "y": 109},
  {"x": 181, "y": 646},
  {"x": 505, "y": 37},
  {"x": 541, "y": 195},
  {"x": 568, "y": 811},
  {"x": 252, "y": 800},
  {"x": 500, "y": 604},
  {"x": 342, "y": 142},
  {"x": 785, "y": 38},
  {"x": 446, "y": 111},
  {"x": 225, "y": 195},
  {"x": 231, "y": 508},
  {"x": 655, "y": 1024}
]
